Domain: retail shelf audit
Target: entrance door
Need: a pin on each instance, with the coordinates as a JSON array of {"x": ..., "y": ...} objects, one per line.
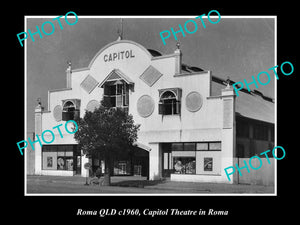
[{"x": 167, "y": 164}]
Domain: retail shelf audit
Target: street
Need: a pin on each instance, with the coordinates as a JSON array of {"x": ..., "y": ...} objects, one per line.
[{"x": 136, "y": 185}]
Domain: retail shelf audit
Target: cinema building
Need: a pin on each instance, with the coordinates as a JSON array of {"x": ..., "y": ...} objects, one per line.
[{"x": 192, "y": 124}]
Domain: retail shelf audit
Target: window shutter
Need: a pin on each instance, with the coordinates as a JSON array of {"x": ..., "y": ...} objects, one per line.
[
  {"x": 161, "y": 109},
  {"x": 76, "y": 114},
  {"x": 178, "y": 107},
  {"x": 126, "y": 92},
  {"x": 105, "y": 90},
  {"x": 126, "y": 102},
  {"x": 67, "y": 116},
  {"x": 106, "y": 101},
  {"x": 63, "y": 116}
]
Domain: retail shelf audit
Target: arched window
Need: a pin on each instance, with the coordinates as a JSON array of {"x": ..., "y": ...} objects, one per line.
[
  {"x": 69, "y": 111},
  {"x": 169, "y": 103},
  {"x": 69, "y": 106}
]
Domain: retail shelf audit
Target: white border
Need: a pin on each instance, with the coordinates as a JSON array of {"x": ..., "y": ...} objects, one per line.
[{"x": 145, "y": 194}]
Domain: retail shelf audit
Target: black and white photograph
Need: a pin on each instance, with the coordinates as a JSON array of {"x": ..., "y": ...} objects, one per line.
[
  {"x": 144, "y": 116},
  {"x": 159, "y": 104}
]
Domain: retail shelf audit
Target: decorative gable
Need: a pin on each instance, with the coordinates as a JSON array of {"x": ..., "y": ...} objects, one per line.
[{"x": 115, "y": 75}]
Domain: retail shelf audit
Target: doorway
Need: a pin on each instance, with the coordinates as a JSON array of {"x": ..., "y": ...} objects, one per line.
[{"x": 167, "y": 160}]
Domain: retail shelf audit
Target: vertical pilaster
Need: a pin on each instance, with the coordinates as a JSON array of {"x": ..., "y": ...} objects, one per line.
[
  {"x": 228, "y": 131},
  {"x": 178, "y": 59},
  {"x": 38, "y": 113},
  {"x": 68, "y": 75},
  {"x": 155, "y": 162}
]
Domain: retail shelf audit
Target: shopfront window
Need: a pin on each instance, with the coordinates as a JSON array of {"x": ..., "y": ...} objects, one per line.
[
  {"x": 59, "y": 157},
  {"x": 50, "y": 161},
  {"x": 187, "y": 146},
  {"x": 208, "y": 164},
  {"x": 64, "y": 163},
  {"x": 211, "y": 146},
  {"x": 193, "y": 157},
  {"x": 184, "y": 165},
  {"x": 177, "y": 146}
]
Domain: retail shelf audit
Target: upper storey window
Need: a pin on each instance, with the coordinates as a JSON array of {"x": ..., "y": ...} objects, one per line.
[
  {"x": 169, "y": 101},
  {"x": 71, "y": 110},
  {"x": 116, "y": 89},
  {"x": 116, "y": 94}
]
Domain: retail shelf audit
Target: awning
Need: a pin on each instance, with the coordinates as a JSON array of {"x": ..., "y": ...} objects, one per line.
[{"x": 142, "y": 146}]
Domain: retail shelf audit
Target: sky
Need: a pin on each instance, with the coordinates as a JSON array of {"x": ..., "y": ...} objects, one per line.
[{"x": 238, "y": 48}]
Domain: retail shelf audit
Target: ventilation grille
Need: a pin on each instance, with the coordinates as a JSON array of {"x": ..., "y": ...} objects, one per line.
[
  {"x": 89, "y": 83},
  {"x": 145, "y": 106},
  {"x": 92, "y": 105},
  {"x": 57, "y": 113},
  {"x": 150, "y": 76},
  {"x": 193, "y": 101}
]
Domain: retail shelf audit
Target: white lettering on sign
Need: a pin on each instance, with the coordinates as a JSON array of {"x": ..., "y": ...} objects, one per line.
[{"x": 118, "y": 56}]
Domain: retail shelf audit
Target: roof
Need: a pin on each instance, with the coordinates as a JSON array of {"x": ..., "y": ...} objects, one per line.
[
  {"x": 190, "y": 69},
  {"x": 154, "y": 53},
  {"x": 252, "y": 104}
]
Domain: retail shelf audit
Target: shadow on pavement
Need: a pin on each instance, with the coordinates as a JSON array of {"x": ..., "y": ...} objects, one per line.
[{"x": 137, "y": 183}]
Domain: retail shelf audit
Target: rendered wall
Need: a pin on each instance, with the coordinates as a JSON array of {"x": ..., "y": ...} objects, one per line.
[{"x": 205, "y": 124}]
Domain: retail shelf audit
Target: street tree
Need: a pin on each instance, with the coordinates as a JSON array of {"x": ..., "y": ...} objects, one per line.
[{"x": 106, "y": 132}]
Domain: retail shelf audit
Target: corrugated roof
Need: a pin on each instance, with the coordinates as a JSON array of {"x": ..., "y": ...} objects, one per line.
[{"x": 252, "y": 105}]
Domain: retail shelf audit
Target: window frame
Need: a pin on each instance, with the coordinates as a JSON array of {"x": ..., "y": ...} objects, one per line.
[
  {"x": 184, "y": 169},
  {"x": 62, "y": 149},
  {"x": 121, "y": 93},
  {"x": 208, "y": 146},
  {"x": 212, "y": 152},
  {"x": 169, "y": 105},
  {"x": 71, "y": 112},
  {"x": 211, "y": 160}
]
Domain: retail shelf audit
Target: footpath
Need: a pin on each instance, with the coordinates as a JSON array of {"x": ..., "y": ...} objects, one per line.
[{"x": 137, "y": 184}]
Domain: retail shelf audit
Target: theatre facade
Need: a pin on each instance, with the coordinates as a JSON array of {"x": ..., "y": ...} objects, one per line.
[{"x": 192, "y": 125}]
